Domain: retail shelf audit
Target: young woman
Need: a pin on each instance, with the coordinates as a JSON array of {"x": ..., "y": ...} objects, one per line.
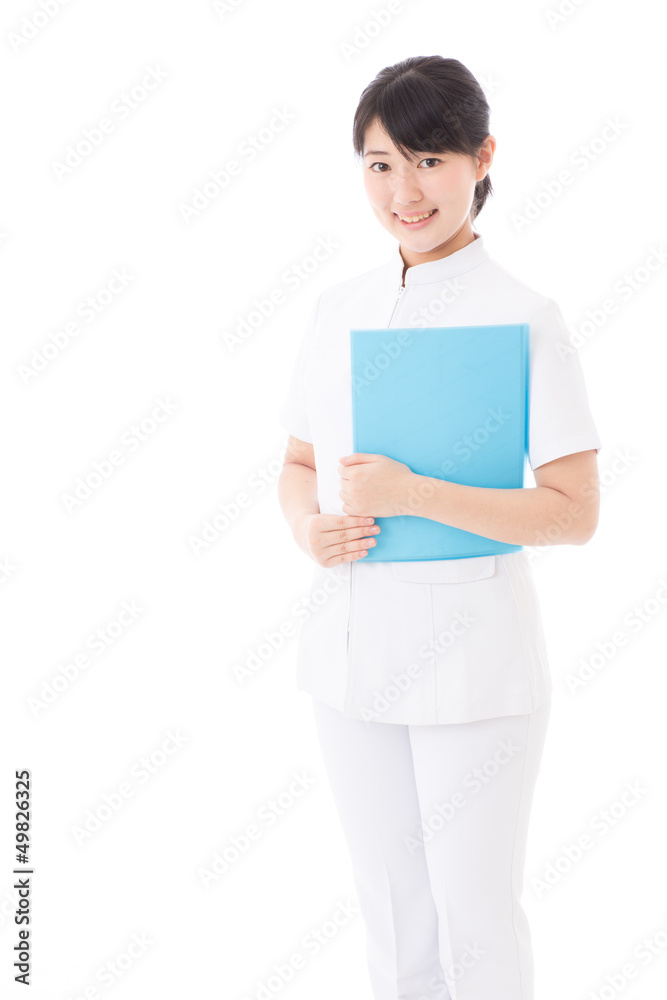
[{"x": 429, "y": 679}]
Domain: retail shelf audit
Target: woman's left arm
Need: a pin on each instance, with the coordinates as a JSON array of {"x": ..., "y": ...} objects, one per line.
[{"x": 563, "y": 508}]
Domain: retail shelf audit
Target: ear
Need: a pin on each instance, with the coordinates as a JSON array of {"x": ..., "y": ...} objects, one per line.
[{"x": 485, "y": 157}]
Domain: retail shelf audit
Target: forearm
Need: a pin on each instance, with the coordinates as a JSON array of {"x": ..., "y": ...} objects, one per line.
[
  {"x": 536, "y": 515},
  {"x": 297, "y": 495}
]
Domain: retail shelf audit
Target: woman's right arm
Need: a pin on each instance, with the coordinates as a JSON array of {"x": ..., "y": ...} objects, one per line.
[
  {"x": 326, "y": 538},
  {"x": 297, "y": 487}
]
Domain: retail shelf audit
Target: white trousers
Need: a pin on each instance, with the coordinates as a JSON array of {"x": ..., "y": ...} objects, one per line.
[{"x": 435, "y": 818}]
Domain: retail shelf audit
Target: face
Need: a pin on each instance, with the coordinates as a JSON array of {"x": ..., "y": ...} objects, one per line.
[{"x": 440, "y": 185}]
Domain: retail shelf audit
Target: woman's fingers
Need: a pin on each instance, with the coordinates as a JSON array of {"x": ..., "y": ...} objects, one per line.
[
  {"x": 351, "y": 540},
  {"x": 336, "y": 538}
]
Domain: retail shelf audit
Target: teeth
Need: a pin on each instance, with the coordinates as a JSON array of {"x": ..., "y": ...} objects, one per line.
[{"x": 415, "y": 218}]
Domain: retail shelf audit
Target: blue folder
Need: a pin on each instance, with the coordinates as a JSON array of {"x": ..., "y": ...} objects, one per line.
[{"x": 451, "y": 403}]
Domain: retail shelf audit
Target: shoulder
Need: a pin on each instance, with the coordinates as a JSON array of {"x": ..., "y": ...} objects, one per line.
[
  {"x": 513, "y": 287},
  {"x": 539, "y": 309}
]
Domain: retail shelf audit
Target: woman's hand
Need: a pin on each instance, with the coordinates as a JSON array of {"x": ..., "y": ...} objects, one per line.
[
  {"x": 335, "y": 538},
  {"x": 377, "y": 485}
]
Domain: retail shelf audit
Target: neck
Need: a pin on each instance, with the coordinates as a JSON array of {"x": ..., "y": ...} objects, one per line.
[{"x": 460, "y": 239}]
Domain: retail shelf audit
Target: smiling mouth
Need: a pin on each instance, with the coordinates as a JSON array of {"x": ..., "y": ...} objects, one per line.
[{"x": 416, "y": 218}]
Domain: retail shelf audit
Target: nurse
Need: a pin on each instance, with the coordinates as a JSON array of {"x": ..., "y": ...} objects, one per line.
[{"x": 429, "y": 680}]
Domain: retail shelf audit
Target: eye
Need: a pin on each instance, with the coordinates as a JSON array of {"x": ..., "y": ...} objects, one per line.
[
  {"x": 431, "y": 159},
  {"x": 378, "y": 163}
]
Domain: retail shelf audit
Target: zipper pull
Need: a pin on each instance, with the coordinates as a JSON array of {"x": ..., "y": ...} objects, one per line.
[{"x": 398, "y": 299}]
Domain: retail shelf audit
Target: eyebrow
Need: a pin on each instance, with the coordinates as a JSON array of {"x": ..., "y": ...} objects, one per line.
[{"x": 377, "y": 152}]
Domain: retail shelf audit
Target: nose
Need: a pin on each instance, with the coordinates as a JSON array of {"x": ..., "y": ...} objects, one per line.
[{"x": 406, "y": 192}]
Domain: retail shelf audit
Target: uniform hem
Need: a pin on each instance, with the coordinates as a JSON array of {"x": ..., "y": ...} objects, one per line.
[{"x": 476, "y": 712}]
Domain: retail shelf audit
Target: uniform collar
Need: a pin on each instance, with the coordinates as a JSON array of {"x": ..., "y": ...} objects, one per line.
[{"x": 439, "y": 270}]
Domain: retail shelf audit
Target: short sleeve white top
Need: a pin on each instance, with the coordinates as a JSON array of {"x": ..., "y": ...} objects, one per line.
[{"x": 450, "y": 640}]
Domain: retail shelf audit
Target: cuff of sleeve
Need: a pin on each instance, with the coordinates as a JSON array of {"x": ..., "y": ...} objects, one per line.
[
  {"x": 295, "y": 428},
  {"x": 568, "y": 446}
]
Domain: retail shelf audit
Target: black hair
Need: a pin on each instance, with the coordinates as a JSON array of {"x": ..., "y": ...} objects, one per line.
[{"x": 427, "y": 104}]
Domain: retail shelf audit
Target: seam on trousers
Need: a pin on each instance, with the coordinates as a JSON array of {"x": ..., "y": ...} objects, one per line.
[
  {"x": 392, "y": 916},
  {"x": 518, "y": 818},
  {"x": 443, "y": 921}
]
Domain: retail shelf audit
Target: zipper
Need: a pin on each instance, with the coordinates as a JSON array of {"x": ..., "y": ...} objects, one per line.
[
  {"x": 348, "y": 692},
  {"x": 348, "y": 696},
  {"x": 398, "y": 299},
  {"x": 349, "y": 610}
]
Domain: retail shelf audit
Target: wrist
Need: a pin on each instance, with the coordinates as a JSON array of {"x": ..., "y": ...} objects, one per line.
[
  {"x": 419, "y": 490},
  {"x": 299, "y": 530}
]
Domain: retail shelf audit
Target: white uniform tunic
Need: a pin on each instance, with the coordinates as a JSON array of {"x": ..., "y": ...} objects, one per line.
[{"x": 443, "y": 640}]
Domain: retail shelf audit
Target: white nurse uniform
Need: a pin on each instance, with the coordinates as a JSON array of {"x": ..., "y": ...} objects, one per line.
[{"x": 434, "y": 641}]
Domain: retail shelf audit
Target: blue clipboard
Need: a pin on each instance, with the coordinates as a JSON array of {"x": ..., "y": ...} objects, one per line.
[{"x": 451, "y": 403}]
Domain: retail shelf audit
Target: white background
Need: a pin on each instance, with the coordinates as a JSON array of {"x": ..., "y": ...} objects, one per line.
[{"x": 201, "y": 613}]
